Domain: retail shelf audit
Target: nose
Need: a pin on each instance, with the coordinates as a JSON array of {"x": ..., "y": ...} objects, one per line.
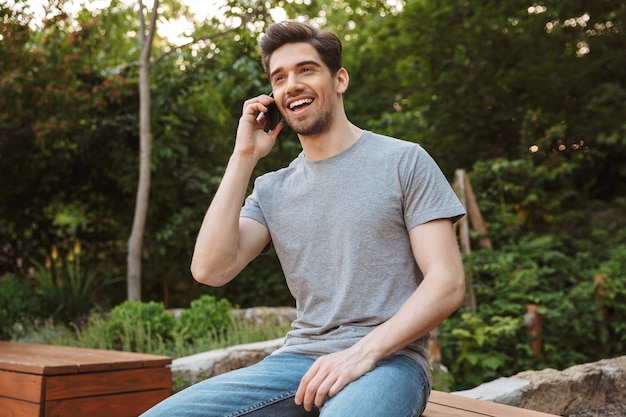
[{"x": 293, "y": 84}]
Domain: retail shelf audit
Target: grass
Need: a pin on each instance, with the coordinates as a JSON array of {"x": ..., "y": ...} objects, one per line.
[{"x": 93, "y": 334}]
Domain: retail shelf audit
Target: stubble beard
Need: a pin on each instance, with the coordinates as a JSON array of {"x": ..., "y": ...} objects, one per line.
[{"x": 320, "y": 124}]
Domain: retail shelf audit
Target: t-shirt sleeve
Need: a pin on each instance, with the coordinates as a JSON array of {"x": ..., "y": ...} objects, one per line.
[
  {"x": 252, "y": 208},
  {"x": 427, "y": 193}
]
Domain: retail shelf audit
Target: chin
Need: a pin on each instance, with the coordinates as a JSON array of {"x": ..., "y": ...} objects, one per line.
[{"x": 313, "y": 129}]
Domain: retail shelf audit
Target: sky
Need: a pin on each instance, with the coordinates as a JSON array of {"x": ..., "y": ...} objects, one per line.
[{"x": 201, "y": 8}]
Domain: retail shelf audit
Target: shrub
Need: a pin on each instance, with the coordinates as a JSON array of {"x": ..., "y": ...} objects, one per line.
[
  {"x": 612, "y": 297},
  {"x": 535, "y": 270},
  {"x": 66, "y": 286},
  {"x": 205, "y": 317},
  {"x": 18, "y": 303},
  {"x": 140, "y": 327},
  {"x": 472, "y": 347}
]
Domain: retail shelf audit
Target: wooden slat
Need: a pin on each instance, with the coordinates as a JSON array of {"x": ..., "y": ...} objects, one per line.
[
  {"x": 11, "y": 407},
  {"x": 56, "y": 360},
  {"x": 480, "y": 407},
  {"x": 111, "y": 382},
  {"x": 21, "y": 386},
  {"x": 438, "y": 410},
  {"x": 119, "y": 405}
]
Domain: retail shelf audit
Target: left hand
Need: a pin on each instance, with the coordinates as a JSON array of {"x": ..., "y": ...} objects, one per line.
[{"x": 330, "y": 374}]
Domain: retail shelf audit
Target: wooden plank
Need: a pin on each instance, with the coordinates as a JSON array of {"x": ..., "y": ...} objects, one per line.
[
  {"x": 486, "y": 408},
  {"x": 111, "y": 382},
  {"x": 118, "y": 405},
  {"x": 11, "y": 407},
  {"x": 56, "y": 360},
  {"x": 438, "y": 410},
  {"x": 21, "y": 386},
  {"x": 475, "y": 216}
]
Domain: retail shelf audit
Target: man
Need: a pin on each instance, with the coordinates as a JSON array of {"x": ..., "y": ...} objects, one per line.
[{"x": 363, "y": 227}]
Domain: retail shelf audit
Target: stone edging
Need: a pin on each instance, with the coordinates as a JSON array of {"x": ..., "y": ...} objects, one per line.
[
  {"x": 572, "y": 390},
  {"x": 204, "y": 365}
]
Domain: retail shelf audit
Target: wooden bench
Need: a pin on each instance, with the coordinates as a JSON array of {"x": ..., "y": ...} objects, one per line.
[
  {"x": 39, "y": 380},
  {"x": 442, "y": 404}
]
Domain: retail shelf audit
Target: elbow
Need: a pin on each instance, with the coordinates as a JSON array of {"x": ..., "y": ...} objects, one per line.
[
  {"x": 207, "y": 276},
  {"x": 452, "y": 290},
  {"x": 457, "y": 291}
]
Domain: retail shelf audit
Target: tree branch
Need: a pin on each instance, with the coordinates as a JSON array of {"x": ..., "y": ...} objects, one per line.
[{"x": 246, "y": 20}]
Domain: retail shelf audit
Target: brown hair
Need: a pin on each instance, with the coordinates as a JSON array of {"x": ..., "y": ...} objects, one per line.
[{"x": 326, "y": 43}]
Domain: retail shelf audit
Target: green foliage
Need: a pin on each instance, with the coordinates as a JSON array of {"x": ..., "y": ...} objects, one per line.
[
  {"x": 477, "y": 346},
  {"x": 535, "y": 270},
  {"x": 68, "y": 288},
  {"x": 139, "y": 327},
  {"x": 95, "y": 333},
  {"x": 204, "y": 317},
  {"x": 148, "y": 327},
  {"x": 612, "y": 297},
  {"x": 18, "y": 304},
  {"x": 65, "y": 107}
]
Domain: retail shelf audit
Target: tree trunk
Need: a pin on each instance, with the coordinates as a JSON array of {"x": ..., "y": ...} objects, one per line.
[{"x": 135, "y": 242}]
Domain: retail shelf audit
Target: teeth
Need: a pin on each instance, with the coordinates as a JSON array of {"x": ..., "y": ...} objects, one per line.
[{"x": 300, "y": 102}]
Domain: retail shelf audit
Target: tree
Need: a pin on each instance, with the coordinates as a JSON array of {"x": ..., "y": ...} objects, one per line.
[
  {"x": 147, "y": 35},
  {"x": 135, "y": 242},
  {"x": 59, "y": 103},
  {"x": 472, "y": 81}
]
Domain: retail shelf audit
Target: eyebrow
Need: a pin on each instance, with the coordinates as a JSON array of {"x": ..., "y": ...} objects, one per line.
[{"x": 298, "y": 65}]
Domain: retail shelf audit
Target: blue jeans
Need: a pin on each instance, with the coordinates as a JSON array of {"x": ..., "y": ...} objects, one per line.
[{"x": 397, "y": 387}]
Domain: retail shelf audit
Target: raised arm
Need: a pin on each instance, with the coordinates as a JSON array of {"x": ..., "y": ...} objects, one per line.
[{"x": 226, "y": 243}]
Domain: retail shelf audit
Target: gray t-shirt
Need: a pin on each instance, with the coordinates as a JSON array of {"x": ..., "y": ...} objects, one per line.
[{"x": 340, "y": 230}]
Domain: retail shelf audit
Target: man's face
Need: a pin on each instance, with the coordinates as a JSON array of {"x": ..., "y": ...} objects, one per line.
[{"x": 304, "y": 89}]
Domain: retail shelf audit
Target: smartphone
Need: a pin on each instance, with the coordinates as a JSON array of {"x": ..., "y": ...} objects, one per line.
[{"x": 272, "y": 116}]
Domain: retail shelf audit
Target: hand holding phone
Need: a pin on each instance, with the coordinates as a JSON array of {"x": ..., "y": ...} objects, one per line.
[{"x": 272, "y": 116}]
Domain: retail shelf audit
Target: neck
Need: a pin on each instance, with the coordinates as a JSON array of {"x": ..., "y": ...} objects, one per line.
[{"x": 339, "y": 137}]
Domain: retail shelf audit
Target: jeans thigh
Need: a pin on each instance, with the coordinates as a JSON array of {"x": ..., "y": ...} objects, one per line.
[
  {"x": 397, "y": 387},
  {"x": 265, "y": 389}
]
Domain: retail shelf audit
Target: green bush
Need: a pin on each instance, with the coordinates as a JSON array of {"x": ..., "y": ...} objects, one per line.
[
  {"x": 205, "y": 317},
  {"x": 612, "y": 299},
  {"x": 536, "y": 270},
  {"x": 67, "y": 286},
  {"x": 18, "y": 304},
  {"x": 139, "y": 327},
  {"x": 473, "y": 347},
  {"x": 549, "y": 242}
]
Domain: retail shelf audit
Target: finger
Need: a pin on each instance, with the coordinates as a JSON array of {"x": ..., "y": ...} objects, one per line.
[
  {"x": 274, "y": 132},
  {"x": 254, "y": 106},
  {"x": 337, "y": 386},
  {"x": 312, "y": 394},
  {"x": 302, "y": 388},
  {"x": 261, "y": 116},
  {"x": 307, "y": 390},
  {"x": 322, "y": 393}
]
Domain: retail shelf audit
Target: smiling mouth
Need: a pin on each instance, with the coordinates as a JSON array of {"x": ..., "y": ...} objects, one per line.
[{"x": 300, "y": 103}]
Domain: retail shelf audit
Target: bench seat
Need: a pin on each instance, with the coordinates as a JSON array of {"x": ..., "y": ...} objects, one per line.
[
  {"x": 38, "y": 380},
  {"x": 442, "y": 404}
]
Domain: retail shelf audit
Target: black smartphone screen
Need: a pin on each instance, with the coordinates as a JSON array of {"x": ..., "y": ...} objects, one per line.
[{"x": 272, "y": 116}]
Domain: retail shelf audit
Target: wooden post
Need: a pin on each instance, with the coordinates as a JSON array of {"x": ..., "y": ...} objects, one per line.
[
  {"x": 599, "y": 295},
  {"x": 533, "y": 321},
  {"x": 475, "y": 217}
]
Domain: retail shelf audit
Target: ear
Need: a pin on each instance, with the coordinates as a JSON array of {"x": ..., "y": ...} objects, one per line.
[{"x": 342, "y": 79}]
